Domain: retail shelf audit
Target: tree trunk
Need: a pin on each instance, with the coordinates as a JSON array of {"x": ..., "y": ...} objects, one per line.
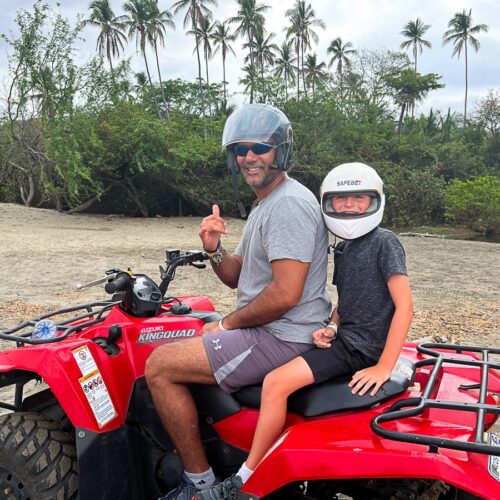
[
  {"x": 401, "y": 115},
  {"x": 135, "y": 196},
  {"x": 466, "y": 85},
  {"x": 161, "y": 83},
  {"x": 86, "y": 205}
]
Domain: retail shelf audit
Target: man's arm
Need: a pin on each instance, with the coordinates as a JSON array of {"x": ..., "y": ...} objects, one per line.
[
  {"x": 282, "y": 293},
  {"x": 229, "y": 269}
]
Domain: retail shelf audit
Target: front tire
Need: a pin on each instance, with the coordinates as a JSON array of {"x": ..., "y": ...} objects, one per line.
[{"x": 37, "y": 459}]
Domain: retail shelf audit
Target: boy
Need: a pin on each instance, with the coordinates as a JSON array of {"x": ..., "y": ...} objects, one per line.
[{"x": 368, "y": 326}]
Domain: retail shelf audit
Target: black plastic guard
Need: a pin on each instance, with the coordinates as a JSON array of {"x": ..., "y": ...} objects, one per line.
[{"x": 115, "y": 465}]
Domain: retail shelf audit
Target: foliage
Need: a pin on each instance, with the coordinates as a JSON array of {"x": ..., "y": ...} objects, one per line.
[
  {"x": 82, "y": 137},
  {"x": 475, "y": 203}
]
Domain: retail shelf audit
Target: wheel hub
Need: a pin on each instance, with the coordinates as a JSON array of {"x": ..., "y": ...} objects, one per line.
[{"x": 11, "y": 488}]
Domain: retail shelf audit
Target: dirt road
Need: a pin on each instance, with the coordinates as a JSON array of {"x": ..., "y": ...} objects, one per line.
[{"x": 44, "y": 254}]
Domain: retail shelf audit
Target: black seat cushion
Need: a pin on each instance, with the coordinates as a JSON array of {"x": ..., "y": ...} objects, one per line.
[{"x": 335, "y": 395}]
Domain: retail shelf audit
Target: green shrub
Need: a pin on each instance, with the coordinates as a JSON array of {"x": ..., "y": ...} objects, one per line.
[{"x": 475, "y": 203}]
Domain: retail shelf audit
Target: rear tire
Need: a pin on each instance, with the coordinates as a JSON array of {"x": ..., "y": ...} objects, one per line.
[{"x": 37, "y": 459}]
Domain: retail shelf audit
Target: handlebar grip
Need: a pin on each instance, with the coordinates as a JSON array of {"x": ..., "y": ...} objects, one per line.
[{"x": 118, "y": 284}]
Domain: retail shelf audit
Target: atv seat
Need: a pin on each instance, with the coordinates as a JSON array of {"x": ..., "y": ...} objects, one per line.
[{"x": 335, "y": 395}]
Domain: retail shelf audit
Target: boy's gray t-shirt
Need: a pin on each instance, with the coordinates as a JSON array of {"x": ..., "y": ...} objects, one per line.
[
  {"x": 361, "y": 272},
  {"x": 287, "y": 224}
]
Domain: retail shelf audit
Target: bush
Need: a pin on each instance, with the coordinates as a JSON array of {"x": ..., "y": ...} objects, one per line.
[
  {"x": 475, "y": 203},
  {"x": 413, "y": 197}
]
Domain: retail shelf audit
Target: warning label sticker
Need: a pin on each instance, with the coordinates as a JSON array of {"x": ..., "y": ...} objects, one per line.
[
  {"x": 97, "y": 395},
  {"x": 84, "y": 359},
  {"x": 94, "y": 386},
  {"x": 494, "y": 461}
]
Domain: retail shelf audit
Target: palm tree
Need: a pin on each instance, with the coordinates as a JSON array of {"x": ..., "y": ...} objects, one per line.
[
  {"x": 461, "y": 31},
  {"x": 156, "y": 34},
  {"x": 250, "y": 20},
  {"x": 314, "y": 71},
  {"x": 221, "y": 37},
  {"x": 140, "y": 87},
  {"x": 293, "y": 36},
  {"x": 340, "y": 55},
  {"x": 203, "y": 34},
  {"x": 283, "y": 65},
  {"x": 111, "y": 39},
  {"x": 195, "y": 11},
  {"x": 137, "y": 19},
  {"x": 249, "y": 80},
  {"x": 414, "y": 31},
  {"x": 263, "y": 50},
  {"x": 303, "y": 19}
]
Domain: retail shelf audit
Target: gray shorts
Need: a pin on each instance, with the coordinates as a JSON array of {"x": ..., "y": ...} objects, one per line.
[{"x": 245, "y": 356}]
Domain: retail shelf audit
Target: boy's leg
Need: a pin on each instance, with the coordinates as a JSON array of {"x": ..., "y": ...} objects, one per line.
[{"x": 278, "y": 385}]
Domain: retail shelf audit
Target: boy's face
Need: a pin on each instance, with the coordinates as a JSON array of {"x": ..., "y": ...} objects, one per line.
[{"x": 352, "y": 203}]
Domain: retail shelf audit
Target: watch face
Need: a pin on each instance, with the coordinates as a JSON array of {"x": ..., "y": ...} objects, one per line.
[{"x": 217, "y": 257}]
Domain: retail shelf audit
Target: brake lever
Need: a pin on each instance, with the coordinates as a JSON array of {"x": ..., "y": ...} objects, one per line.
[
  {"x": 110, "y": 275},
  {"x": 199, "y": 266}
]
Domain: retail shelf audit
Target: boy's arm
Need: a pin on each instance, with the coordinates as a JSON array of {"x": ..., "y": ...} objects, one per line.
[
  {"x": 323, "y": 337},
  {"x": 375, "y": 376}
]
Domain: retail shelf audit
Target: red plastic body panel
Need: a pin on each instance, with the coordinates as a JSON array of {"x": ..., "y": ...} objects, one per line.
[
  {"x": 55, "y": 362},
  {"x": 343, "y": 446}
]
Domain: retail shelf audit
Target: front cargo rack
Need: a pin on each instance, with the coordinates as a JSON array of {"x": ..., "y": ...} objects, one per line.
[
  {"x": 87, "y": 315},
  {"x": 413, "y": 407}
]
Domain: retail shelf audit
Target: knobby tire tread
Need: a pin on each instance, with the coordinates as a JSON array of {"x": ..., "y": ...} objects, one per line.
[{"x": 40, "y": 454}]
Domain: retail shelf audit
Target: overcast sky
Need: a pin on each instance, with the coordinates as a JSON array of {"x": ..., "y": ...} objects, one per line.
[{"x": 367, "y": 24}]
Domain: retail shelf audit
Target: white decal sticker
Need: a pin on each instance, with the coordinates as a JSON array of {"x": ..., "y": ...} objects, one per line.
[
  {"x": 84, "y": 359},
  {"x": 97, "y": 395},
  {"x": 494, "y": 461}
]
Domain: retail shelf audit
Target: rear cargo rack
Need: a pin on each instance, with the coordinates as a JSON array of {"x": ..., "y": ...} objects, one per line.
[
  {"x": 412, "y": 407},
  {"x": 87, "y": 315}
]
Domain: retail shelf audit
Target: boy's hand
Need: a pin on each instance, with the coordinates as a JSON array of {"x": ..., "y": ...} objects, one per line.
[
  {"x": 323, "y": 337},
  {"x": 374, "y": 376}
]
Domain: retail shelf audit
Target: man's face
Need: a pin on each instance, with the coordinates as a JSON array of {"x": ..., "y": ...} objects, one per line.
[{"x": 256, "y": 166}]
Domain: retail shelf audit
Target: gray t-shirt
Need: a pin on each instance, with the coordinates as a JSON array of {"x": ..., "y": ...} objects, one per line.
[
  {"x": 361, "y": 272},
  {"x": 287, "y": 224}
]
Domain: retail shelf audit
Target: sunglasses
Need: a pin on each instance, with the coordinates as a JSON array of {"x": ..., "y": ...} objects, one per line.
[{"x": 258, "y": 148}]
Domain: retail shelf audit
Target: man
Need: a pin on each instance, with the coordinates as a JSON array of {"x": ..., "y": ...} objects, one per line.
[{"x": 279, "y": 269}]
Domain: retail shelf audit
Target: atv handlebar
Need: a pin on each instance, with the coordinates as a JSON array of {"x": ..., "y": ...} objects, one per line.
[
  {"x": 174, "y": 259},
  {"x": 120, "y": 283}
]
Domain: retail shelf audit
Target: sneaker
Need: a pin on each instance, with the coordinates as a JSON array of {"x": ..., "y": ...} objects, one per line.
[
  {"x": 226, "y": 490},
  {"x": 185, "y": 491}
]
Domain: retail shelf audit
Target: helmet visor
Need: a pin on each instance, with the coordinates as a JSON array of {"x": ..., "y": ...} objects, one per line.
[
  {"x": 257, "y": 123},
  {"x": 351, "y": 205}
]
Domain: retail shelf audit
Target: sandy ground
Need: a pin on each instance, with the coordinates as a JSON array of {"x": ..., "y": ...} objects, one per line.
[{"x": 44, "y": 254}]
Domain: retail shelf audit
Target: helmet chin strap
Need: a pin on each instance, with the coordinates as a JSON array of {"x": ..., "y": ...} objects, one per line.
[{"x": 236, "y": 190}]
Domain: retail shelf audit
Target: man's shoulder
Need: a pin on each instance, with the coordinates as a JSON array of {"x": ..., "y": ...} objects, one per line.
[{"x": 295, "y": 191}]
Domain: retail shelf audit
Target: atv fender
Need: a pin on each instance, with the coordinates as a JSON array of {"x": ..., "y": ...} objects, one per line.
[{"x": 327, "y": 449}]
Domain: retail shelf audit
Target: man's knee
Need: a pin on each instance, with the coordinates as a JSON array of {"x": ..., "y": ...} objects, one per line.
[{"x": 179, "y": 362}]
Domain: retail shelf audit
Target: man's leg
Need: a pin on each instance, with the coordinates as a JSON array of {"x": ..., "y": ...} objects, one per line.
[{"x": 168, "y": 371}]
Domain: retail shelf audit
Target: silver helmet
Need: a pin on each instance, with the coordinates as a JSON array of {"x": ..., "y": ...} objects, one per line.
[{"x": 259, "y": 123}]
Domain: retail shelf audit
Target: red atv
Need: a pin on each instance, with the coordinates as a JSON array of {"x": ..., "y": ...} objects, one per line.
[{"x": 91, "y": 431}]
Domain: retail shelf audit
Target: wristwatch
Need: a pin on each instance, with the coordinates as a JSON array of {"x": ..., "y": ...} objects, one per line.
[
  {"x": 216, "y": 256},
  {"x": 334, "y": 327}
]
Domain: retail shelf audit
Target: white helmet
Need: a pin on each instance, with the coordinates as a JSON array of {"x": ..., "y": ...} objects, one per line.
[{"x": 352, "y": 178}]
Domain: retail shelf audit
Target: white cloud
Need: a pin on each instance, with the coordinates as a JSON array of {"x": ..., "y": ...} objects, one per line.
[{"x": 370, "y": 24}]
